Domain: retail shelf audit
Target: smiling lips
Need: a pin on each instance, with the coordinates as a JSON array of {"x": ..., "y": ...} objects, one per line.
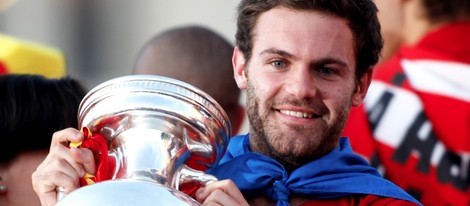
[{"x": 299, "y": 114}]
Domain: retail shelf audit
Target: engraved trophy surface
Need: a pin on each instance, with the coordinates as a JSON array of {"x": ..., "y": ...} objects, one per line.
[{"x": 161, "y": 133}]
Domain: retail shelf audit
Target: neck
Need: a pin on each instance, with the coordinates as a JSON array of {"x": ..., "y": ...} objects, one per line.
[
  {"x": 261, "y": 145},
  {"x": 289, "y": 161}
]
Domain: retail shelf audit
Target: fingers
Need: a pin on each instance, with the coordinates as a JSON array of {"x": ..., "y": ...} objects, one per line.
[
  {"x": 53, "y": 172},
  {"x": 66, "y": 135},
  {"x": 223, "y": 192},
  {"x": 85, "y": 158},
  {"x": 62, "y": 167},
  {"x": 45, "y": 181},
  {"x": 81, "y": 159}
]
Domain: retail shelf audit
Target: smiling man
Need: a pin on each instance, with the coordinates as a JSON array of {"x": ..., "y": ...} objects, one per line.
[{"x": 304, "y": 64}]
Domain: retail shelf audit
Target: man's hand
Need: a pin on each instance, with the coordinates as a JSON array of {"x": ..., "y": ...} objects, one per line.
[
  {"x": 223, "y": 192},
  {"x": 62, "y": 167}
]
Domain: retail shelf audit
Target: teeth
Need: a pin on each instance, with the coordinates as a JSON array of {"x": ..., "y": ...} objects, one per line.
[{"x": 297, "y": 114}]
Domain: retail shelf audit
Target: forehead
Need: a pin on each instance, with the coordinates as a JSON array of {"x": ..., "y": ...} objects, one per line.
[{"x": 304, "y": 33}]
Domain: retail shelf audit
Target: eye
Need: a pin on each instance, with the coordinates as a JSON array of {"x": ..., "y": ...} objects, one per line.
[
  {"x": 278, "y": 64},
  {"x": 326, "y": 70}
]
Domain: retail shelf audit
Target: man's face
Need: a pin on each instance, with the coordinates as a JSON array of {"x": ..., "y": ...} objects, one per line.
[{"x": 300, "y": 84}]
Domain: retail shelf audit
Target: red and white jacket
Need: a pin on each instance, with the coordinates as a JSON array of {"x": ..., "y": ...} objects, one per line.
[{"x": 414, "y": 124}]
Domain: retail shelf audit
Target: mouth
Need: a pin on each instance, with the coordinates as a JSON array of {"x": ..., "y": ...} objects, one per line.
[{"x": 298, "y": 114}]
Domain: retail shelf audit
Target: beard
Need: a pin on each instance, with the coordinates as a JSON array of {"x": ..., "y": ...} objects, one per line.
[{"x": 298, "y": 145}]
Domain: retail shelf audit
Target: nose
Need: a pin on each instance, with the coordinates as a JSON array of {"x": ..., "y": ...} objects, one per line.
[{"x": 301, "y": 83}]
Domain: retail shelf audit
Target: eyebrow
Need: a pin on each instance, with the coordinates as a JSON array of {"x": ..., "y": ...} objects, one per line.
[
  {"x": 322, "y": 61},
  {"x": 329, "y": 60},
  {"x": 276, "y": 51}
]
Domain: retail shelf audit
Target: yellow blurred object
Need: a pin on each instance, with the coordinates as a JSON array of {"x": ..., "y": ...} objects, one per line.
[{"x": 19, "y": 56}]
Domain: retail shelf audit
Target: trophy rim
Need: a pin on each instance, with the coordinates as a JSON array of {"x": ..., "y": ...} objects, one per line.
[{"x": 153, "y": 84}]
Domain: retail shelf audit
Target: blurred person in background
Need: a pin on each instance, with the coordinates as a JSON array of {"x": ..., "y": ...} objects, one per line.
[
  {"x": 32, "y": 108},
  {"x": 34, "y": 103},
  {"x": 414, "y": 124},
  {"x": 200, "y": 57}
]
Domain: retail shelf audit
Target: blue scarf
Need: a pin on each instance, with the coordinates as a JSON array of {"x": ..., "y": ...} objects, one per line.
[{"x": 340, "y": 173}]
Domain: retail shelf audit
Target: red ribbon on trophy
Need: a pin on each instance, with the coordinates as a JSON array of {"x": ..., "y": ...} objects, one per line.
[{"x": 97, "y": 144}]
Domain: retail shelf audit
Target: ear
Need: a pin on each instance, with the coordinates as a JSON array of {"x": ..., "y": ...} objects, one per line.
[
  {"x": 238, "y": 62},
  {"x": 362, "y": 87}
]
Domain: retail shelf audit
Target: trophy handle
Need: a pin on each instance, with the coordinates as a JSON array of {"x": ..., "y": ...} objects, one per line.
[{"x": 189, "y": 180}]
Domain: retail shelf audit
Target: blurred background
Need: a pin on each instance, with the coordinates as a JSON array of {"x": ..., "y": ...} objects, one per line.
[{"x": 101, "y": 38}]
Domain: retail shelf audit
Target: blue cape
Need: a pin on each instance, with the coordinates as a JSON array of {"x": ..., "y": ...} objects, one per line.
[{"x": 338, "y": 174}]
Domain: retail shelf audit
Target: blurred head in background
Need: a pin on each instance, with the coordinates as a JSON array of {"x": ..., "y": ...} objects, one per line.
[
  {"x": 32, "y": 108},
  {"x": 198, "y": 56},
  {"x": 407, "y": 21}
]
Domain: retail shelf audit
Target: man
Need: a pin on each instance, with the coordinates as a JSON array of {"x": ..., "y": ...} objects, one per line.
[
  {"x": 303, "y": 64},
  {"x": 414, "y": 123},
  {"x": 198, "y": 56}
]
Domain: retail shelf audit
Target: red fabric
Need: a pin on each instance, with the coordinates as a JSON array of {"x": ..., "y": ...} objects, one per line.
[
  {"x": 97, "y": 144},
  {"x": 190, "y": 187},
  {"x": 366, "y": 200},
  {"x": 434, "y": 172},
  {"x": 3, "y": 68}
]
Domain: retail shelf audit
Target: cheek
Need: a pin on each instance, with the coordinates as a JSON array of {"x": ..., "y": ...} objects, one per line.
[
  {"x": 25, "y": 165},
  {"x": 20, "y": 179},
  {"x": 265, "y": 89},
  {"x": 337, "y": 99}
]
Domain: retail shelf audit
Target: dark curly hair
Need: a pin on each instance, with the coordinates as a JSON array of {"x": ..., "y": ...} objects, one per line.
[{"x": 361, "y": 15}]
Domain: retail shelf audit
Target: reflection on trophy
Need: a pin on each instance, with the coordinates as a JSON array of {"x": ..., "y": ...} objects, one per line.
[{"x": 160, "y": 134}]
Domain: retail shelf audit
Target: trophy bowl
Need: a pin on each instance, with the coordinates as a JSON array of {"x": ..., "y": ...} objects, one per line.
[{"x": 161, "y": 135}]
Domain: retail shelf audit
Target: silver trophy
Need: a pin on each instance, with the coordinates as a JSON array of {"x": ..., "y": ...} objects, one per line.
[{"x": 161, "y": 133}]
